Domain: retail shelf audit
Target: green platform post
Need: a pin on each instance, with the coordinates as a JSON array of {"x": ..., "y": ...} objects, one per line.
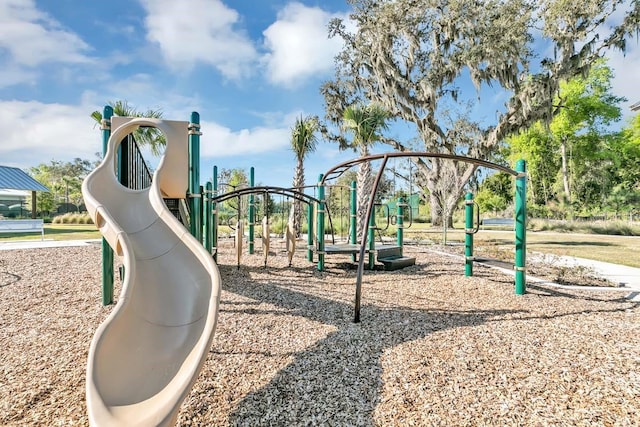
[
  {"x": 203, "y": 201},
  {"x": 371, "y": 239},
  {"x": 521, "y": 227},
  {"x": 107, "y": 252},
  {"x": 468, "y": 239},
  {"x": 310, "y": 232},
  {"x": 252, "y": 212},
  {"x": 321, "y": 207},
  {"x": 353, "y": 217},
  {"x": 400, "y": 223},
  {"x": 195, "y": 199},
  {"x": 214, "y": 216},
  {"x": 207, "y": 216}
]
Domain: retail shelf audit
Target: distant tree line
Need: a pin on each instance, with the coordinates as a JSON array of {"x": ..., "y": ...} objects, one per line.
[
  {"x": 64, "y": 180},
  {"x": 577, "y": 166}
]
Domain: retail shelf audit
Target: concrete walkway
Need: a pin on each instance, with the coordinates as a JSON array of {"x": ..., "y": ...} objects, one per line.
[
  {"x": 620, "y": 274},
  {"x": 627, "y": 278},
  {"x": 33, "y": 244}
]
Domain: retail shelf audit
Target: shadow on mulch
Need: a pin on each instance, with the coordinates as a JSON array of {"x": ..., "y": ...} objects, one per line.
[
  {"x": 338, "y": 380},
  {"x": 7, "y": 278}
]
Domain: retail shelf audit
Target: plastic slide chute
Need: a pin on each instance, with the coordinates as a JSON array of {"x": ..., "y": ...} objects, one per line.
[{"x": 145, "y": 357}]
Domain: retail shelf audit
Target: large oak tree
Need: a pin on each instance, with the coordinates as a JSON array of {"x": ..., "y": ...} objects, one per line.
[{"x": 417, "y": 57}]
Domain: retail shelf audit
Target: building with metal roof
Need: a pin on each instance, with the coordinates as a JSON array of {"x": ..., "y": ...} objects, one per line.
[
  {"x": 12, "y": 179},
  {"x": 17, "y": 179}
]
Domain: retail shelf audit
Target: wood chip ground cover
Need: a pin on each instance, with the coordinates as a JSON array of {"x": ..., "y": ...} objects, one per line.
[{"x": 433, "y": 348}]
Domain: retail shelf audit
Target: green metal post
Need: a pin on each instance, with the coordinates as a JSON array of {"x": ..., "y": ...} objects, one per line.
[
  {"x": 194, "y": 176},
  {"x": 400, "y": 223},
  {"x": 252, "y": 212},
  {"x": 203, "y": 227},
  {"x": 371, "y": 238},
  {"x": 468, "y": 240},
  {"x": 107, "y": 252},
  {"x": 310, "y": 232},
  {"x": 321, "y": 207},
  {"x": 207, "y": 217},
  {"x": 353, "y": 217},
  {"x": 521, "y": 227},
  {"x": 214, "y": 217}
]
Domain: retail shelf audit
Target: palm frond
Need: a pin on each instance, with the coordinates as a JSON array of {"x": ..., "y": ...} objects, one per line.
[{"x": 303, "y": 136}]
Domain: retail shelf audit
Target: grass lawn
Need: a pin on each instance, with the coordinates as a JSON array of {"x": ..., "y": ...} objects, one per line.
[{"x": 623, "y": 250}]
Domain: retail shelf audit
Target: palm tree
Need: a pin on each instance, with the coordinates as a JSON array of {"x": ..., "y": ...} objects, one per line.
[
  {"x": 145, "y": 136},
  {"x": 364, "y": 122},
  {"x": 303, "y": 142}
]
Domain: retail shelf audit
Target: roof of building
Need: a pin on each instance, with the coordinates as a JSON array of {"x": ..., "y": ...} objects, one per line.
[{"x": 17, "y": 179}]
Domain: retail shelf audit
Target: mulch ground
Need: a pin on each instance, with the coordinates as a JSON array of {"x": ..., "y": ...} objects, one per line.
[{"x": 433, "y": 347}]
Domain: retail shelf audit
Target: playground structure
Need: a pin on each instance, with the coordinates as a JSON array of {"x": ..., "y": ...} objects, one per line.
[
  {"x": 157, "y": 251},
  {"x": 265, "y": 191},
  {"x": 520, "y": 215},
  {"x": 203, "y": 214},
  {"x": 317, "y": 213}
]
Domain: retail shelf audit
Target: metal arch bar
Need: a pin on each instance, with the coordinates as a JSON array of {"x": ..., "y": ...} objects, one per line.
[
  {"x": 298, "y": 195},
  {"x": 363, "y": 242},
  {"x": 341, "y": 168}
]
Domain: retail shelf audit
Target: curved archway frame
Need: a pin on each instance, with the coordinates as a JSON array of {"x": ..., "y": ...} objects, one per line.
[
  {"x": 293, "y": 193},
  {"x": 520, "y": 174},
  {"x": 288, "y": 192}
]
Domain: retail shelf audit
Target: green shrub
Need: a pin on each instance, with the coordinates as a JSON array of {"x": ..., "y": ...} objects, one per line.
[
  {"x": 72, "y": 218},
  {"x": 619, "y": 228}
]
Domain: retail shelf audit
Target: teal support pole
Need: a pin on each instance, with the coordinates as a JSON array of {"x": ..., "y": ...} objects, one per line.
[
  {"x": 321, "y": 207},
  {"x": 194, "y": 177},
  {"x": 521, "y": 227},
  {"x": 202, "y": 213},
  {"x": 468, "y": 239},
  {"x": 353, "y": 217},
  {"x": 371, "y": 238},
  {"x": 252, "y": 212},
  {"x": 207, "y": 217},
  {"x": 107, "y": 252},
  {"x": 214, "y": 216},
  {"x": 400, "y": 223},
  {"x": 310, "y": 232}
]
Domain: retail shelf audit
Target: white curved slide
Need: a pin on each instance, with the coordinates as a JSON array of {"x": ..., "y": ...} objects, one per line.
[{"x": 145, "y": 357}]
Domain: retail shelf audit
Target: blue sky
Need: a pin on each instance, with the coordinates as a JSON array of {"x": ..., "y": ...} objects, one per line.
[{"x": 248, "y": 67}]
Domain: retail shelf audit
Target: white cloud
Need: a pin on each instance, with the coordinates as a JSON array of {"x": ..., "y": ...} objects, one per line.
[
  {"x": 34, "y": 133},
  {"x": 299, "y": 44},
  {"x": 12, "y": 75},
  {"x": 220, "y": 141},
  {"x": 32, "y": 37},
  {"x": 199, "y": 31},
  {"x": 625, "y": 68}
]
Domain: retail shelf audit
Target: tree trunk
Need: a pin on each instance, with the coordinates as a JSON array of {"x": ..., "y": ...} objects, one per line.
[
  {"x": 363, "y": 193},
  {"x": 440, "y": 210},
  {"x": 445, "y": 183},
  {"x": 565, "y": 170},
  {"x": 565, "y": 176},
  {"x": 298, "y": 183}
]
